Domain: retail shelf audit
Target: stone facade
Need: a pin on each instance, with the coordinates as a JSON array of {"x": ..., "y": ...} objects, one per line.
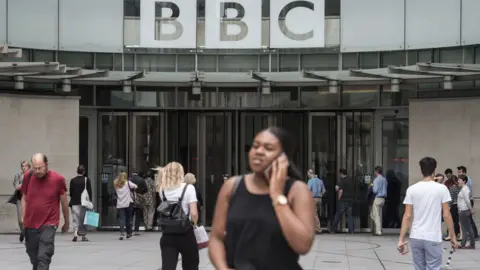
[
  {"x": 32, "y": 124},
  {"x": 449, "y": 131}
]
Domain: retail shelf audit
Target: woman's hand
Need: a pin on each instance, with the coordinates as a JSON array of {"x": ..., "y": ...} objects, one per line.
[{"x": 278, "y": 176}]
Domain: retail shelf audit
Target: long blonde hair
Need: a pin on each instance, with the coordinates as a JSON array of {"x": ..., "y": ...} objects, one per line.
[
  {"x": 171, "y": 176},
  {"x": 158, "y": 179},
  {"x": 121, "y": 179}
]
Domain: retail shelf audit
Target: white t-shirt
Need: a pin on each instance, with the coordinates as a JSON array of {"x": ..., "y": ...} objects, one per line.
[
  {"x": 426, "y": 199},
  {"x": 124, "y": 196},
  {"x": 173, "y": 194}
]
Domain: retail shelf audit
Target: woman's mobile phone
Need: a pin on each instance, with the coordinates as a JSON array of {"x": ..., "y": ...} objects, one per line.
[{"x": 268, "y": 170}]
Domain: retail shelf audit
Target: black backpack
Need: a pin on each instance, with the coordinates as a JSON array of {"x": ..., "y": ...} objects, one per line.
[{"x": 172, "y": 219}]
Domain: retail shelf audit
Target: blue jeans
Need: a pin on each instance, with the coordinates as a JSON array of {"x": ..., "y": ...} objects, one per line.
[
  {"x": 342, "y": 207},
  {"x": 126, "y": 216}
]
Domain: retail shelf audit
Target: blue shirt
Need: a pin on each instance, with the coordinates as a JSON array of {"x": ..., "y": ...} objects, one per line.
[
  {"x": 380, "y": 186},
  {"x": 316, "y": 187}
]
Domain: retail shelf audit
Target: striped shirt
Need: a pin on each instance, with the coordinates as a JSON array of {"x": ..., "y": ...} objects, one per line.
[{"x": 454, "y": 190}]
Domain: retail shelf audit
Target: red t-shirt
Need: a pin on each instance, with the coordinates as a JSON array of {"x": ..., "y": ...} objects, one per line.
[{"x": 43, "y": 199}]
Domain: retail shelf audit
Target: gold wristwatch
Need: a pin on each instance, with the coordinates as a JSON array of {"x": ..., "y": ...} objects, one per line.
[{"x": 280, "y": 200}]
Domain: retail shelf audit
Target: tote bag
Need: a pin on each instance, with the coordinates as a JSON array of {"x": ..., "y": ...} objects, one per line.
[{"x": 85, "y": 199}]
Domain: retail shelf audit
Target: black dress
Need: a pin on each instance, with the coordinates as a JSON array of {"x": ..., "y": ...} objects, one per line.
[{"x": 254, "y": 239}]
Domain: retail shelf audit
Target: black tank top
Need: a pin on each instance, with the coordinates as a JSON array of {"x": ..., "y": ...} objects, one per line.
[{"x": 254, "y": 239}]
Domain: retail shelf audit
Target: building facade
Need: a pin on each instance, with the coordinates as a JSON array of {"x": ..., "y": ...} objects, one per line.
[{"x": 202, "y": 104}]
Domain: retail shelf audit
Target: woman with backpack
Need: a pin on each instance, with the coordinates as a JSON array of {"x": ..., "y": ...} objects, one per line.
[
  {"x": 263, "y": 220},
  {"x": 124, "y": 188},
  {"x": 177, "y": 215}
]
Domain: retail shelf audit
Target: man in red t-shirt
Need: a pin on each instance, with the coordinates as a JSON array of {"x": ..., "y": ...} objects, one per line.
[{"x": 43, "y": 191}]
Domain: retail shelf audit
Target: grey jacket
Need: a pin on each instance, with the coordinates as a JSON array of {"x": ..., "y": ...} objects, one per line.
[{"x": 17, "y": 180}]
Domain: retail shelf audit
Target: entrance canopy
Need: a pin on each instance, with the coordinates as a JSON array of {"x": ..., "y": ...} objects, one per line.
[{"x": 393, "y": 76}]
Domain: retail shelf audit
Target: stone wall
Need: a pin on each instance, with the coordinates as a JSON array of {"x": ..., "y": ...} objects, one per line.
[{"x": 31, "y": 124}]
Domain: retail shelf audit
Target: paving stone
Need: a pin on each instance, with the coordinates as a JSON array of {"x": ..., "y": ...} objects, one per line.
[{"x": 106, "y": 252}]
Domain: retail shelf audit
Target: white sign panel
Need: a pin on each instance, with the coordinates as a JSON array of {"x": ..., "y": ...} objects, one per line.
[
  {"x": 168, "y": 24},
  {"x": 297, "y": 24},
  {"x": 233, "y": 24}
]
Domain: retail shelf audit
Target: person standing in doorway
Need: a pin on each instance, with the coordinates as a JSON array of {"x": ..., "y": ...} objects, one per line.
[
  {"x": 317, "y": 188},
  {"x": 425, "y": 202},
  {"x": 150, "y": 202},
  {"x": 380, "y": 185},
  {"x": 17, "y": 184},
  {"x": 345, "y": 196},
  {"x": 43, "y": 193},
  {"x": 77, "y": 185},
  {"x": 462, "y": 170}
]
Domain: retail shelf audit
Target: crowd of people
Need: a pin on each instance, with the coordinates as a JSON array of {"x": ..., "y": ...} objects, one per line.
[{"x": 263, "y": 219}]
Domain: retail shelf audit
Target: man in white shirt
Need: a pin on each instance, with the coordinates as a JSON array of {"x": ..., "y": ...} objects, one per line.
[{"x": 425, "y": 203}]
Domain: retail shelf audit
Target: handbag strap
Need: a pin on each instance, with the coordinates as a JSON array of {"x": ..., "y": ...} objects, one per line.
[{"x": 85, "y": 188}]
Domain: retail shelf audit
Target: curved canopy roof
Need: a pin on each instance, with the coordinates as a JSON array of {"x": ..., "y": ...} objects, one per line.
[{"x": 53, "y": 72}]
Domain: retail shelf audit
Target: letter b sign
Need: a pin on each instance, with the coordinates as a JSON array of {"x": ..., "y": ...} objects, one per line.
[{"x": 168, "y": 24}]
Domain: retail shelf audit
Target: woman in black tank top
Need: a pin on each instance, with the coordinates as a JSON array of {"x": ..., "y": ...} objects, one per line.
[{"x": 264, "y": 220}]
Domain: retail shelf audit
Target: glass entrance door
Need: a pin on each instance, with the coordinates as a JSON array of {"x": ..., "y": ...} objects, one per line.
[
  {"x": 113, "y": 159},
  {"x": 214, "y": 158},
  {"x": 322, "y": 156},
  {"x": 148, "y": 141}
]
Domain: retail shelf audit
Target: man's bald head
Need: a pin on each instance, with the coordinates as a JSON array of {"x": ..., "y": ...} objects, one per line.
[{"x": 40, "y": 165}]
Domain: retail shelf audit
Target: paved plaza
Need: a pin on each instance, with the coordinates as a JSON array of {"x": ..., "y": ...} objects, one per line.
[{"x": 105, "y": 252}]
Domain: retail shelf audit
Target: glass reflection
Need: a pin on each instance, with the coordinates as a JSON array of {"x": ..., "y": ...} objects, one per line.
[
  {"x": 114, "y": 130},
  {"x": 147, "y": 142},
  {"x": 359, "y": 135},
  {"x": 395, "y": 163}
]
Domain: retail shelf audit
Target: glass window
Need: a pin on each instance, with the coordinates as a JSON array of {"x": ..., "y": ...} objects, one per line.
[
  {"x": 128, "y": 62},
  {"x": 117, "y": 62},
  {"x": 359, "y": 159},
  {"x": 200, "y": 8},
  {"x": 104, "y": 61},
  {"x": 113, "y": 97},
  {"x": 166, "y": 97},
  {"x": 332, "y": 7},
  {"x": 396, "y": 98},
  {"x": 76, "y": 59},
  {"x": 368, "y": 60},
  {"x": 314, "y": 97},
  {"x": 113, "y": 160},
  {"x": 425, "y": 56},
  {"x": 280, "y": 98},
  {"x": 86, "y": 94},
  {"x": 265, "y": 8},
  {"x": 156, "y": 62},
  {"x": 264, "y": 63},
  {"x": 148, "y": 133},
  {"x": 43, "y": 56},
  {"x": 396, "y": 58},
  {"x": 412, "y": 57},
  {"x": 349, "y": 61},
  {"x": 469, "y": 55},
  {"x": 207, "y": 63},
  {"x": 131, "y": 8},
  {"x": 395, "y": 166},
  {"x": 146, "y": 99},
  {"x": 451, "y": 55},
  {"x": 360, "y": 96},
  {"x": 320, "y": 61},
  {"x": 185, "y": 63},
  {"x": 289, "y": 62},
  {"x": 237, "y": 63},
  {"x": 206, "y": 99},
  {"x": 238, "y": 98}
]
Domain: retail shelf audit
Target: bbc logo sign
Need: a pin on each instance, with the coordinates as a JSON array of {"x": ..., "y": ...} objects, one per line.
[{"x": 232, "y": 24}]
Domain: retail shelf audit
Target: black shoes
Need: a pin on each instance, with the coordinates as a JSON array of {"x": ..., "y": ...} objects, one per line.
[{"x": 21, "y": 237}]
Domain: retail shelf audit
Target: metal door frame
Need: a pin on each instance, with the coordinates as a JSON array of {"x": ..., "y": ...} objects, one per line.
[
  {"x": 201, "y": 149},
  {"x": 133, "y": 137}
]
